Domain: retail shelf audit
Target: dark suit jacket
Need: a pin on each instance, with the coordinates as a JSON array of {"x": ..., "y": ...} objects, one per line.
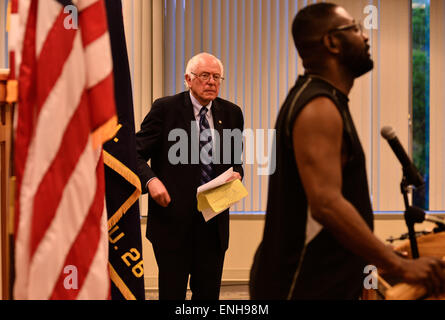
[{"x": 169, "y": 227}]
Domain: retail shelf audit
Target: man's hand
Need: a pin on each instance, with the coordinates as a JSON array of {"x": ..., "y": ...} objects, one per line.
[
  {"x": 427, "y": 271},
  {"x": 159, "y": 193},
  {"x": 235, "y": 176}
]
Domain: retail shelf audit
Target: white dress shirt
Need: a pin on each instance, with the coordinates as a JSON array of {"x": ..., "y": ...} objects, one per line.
[{"x": 197, "y": 108}]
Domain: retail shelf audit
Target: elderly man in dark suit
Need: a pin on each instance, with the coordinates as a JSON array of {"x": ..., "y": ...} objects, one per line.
[{"x": 184, "y": 244}]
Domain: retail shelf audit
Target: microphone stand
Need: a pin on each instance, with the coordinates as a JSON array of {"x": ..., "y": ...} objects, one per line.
[{"x": 410, "y": 218}]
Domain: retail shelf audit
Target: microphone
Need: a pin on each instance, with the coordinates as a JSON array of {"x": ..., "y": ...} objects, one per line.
[
  {"x": 412, "y": 175},
  {"x": 418, "y": 215}
]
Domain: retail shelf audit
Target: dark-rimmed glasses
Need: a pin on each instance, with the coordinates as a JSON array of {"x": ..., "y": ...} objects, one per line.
[
  {"x": 205, "y": 76},
  {"x": 357, "y": 25}
]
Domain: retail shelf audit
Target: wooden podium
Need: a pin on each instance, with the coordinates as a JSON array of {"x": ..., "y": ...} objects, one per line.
[
  {"x": 432, "y": 245},
  {"x": 8, "y": 93}
]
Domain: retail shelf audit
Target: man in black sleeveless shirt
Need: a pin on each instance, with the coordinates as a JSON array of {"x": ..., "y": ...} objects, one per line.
[{"x": 318, "y": 233}]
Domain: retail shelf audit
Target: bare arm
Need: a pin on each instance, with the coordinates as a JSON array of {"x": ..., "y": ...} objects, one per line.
[{"x": 318, "y": 133}]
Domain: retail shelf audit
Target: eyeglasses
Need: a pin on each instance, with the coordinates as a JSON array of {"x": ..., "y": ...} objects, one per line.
[
  {"x": 205, "y": 76},
  {"x": 356, "y": 25}
]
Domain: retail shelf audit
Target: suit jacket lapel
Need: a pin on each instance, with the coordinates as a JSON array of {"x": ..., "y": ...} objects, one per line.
[
  {"x": 187, "y": 111},
  {"x": 218, "y": 123},
  {"x": 188, "y": 117}
]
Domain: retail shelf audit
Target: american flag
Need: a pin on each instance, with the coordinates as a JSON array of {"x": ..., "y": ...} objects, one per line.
[{"x": 66, "y": 110}]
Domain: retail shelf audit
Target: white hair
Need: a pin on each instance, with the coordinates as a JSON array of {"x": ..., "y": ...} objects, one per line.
[{"x": 193, "y": 63}]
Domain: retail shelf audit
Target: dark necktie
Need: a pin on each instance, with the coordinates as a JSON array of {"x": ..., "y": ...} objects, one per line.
[{"x": 205, "y": 147}]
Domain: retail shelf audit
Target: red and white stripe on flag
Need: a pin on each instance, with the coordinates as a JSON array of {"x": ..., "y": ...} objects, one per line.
[{"x": 66, "y": 110}]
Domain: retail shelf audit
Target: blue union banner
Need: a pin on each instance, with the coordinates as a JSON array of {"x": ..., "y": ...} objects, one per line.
[{"x": 122, "y": 185}]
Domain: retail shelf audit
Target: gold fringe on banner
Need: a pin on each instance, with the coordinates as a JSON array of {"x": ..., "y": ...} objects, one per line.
[{"x": 131, "y": 177}]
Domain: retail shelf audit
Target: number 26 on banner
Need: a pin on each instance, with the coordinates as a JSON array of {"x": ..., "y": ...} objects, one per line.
[{"x": 134, "y": 255}]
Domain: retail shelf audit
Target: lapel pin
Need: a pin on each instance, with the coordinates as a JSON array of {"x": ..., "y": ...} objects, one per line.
[{"x": 220, "y": 122}]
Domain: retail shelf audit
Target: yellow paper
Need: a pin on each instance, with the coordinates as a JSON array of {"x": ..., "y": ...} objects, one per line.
[{"x": 222, "y": 197}]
